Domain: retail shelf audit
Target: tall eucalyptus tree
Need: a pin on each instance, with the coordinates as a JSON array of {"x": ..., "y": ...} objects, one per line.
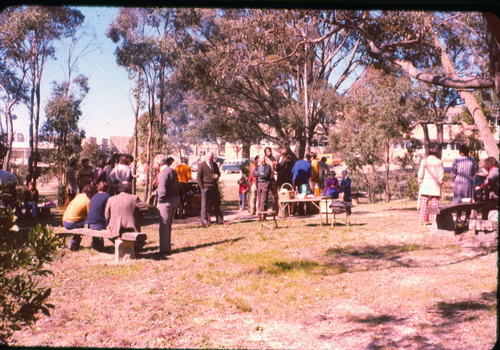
[
  {"x": 27, "y": 34},
  {"x": 273, "y": 74}
]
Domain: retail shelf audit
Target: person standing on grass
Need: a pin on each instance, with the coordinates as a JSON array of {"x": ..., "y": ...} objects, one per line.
[
  {"x": 242, "y": 192},
  {"x": 463, "y": 170},
  {"x": 323, "y": 172},
  {"x": 302, "y": 172},
  {"x": 168, "y": 201},
  {"x": 99, "y": 173},
  {"x": 430, "y": 179},
  {"x": 252, "y": 201},
  {"x": 122, "y": 173},
  {"x": 96, "y": 219},
  {"x": 314, "y": 171},
  {"x": 284, "y": 169},
  {"x": 85, "y": 174},
  {"x": 208, "y": 175},
  {"x": 263, "y": 175},
  {"x": 183, "y": 171},
  {"x": 71, "y": 181},
  {"x": 108, "y": 169},
  {"x": 273, "y": 187},
  {"x": 76, "y": 213}
]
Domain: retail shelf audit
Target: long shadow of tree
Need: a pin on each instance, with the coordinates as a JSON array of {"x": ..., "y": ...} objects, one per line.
[
  {"x": 373, "y": 258},
  {"x": 147, "y": 254}
]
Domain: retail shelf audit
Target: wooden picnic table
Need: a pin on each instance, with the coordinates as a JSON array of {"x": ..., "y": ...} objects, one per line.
[{"x": 316, "y": 201}]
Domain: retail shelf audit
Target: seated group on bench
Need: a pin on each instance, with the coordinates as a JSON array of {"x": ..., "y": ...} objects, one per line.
[{"x": 100, "y": 211}]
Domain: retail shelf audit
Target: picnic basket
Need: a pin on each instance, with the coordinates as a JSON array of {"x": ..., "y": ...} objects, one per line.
[{"x": 286, "y": 191}]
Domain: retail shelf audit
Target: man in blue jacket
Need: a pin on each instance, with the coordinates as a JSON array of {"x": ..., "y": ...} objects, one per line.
[{"x": 302, "y": 172}]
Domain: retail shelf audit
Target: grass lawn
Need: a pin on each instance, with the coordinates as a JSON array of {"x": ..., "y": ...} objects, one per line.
[{"x": 382, "y": 283}]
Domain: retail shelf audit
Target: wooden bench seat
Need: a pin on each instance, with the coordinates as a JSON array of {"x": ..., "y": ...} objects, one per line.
[
  {"x": 444, "y": 213},
  {"x": 127, "y": 246}
]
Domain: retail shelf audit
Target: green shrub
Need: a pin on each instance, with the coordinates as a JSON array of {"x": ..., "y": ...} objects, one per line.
[{"x": 22, "y": 261}]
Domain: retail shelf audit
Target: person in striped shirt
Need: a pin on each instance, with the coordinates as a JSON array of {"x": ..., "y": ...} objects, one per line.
[{"x": 463, "y": 170}]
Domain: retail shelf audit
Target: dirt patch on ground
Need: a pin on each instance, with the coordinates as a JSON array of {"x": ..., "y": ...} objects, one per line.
[{"x": 382, "y": 283}]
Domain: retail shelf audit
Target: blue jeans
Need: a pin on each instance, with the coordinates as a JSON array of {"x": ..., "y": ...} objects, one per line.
[
  {"x": 31, "y": 207},
  {"x": 75, "y": 241},
  {"x": 241, "y": 199}
]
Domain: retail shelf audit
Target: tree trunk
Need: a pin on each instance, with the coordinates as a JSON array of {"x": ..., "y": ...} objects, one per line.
[
  {"x": 474, "y": 108},
  {"x": 10, "y": 139},
  {"x": 387, "y": 173},
  {"x": 493, "y": 41}
]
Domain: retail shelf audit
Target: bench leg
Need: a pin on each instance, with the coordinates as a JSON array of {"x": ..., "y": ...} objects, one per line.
[
  {"x": 445, "y": 223},
  {"x": 124, "y": 250}
]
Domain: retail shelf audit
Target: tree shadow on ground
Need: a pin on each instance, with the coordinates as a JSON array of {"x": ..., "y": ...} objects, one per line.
[
  {"x": 148, "y": 254},
  {"x": 447, "y": 315},
  {"x": 372, "y": 258},
  {"x": 384, "y": 335},
  {"x": 402, "y": 209}
]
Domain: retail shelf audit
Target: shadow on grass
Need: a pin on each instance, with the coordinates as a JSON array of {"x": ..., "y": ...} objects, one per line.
[
  {"x": 402, "y": 209},
  {"x": 372, "y": 258},
  {"x": 447, "y": 315},
  {"x": 147, "y": 254},
  {"x": 377, "y": 320}
]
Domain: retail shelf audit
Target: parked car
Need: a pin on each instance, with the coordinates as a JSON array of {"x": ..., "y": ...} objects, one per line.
[
  {"x": 332, "y": 159},
  {"x": 232, "y": 165}
]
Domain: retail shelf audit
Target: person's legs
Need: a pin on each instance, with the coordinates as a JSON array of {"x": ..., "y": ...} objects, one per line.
[
  {"x": 75, "y": 241},
  {"x": 423, "y": 216},
  {"x": 204, "y": 206},
  {"x": 273, "y": 188},
  {"x": 183, "y": 188},
  {"x": 434, "y": 201},
  {"x": 97, "y": 242},
  {"x": 217, "y": 205},
  {"x": 167, "y": 211},
  {"x": 262, "y": 194},
  {"x": 253, "y": 199},
  {"x": 34, "y": 209}
]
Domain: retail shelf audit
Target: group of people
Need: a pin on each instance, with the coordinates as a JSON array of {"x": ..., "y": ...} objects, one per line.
[
  {"x": 105, "y": 200},
  {"x": 464, "y": 172},
  {"x": 267, "y": 175}
]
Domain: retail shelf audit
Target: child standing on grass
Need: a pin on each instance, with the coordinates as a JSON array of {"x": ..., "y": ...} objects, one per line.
[{"x": 243, "y": 188}]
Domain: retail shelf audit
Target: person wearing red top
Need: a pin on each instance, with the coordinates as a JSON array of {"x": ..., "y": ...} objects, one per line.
[{"x": 243, "y": 188}]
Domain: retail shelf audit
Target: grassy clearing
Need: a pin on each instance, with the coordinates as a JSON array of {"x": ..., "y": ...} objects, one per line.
[{"x": 382, "y": 283}]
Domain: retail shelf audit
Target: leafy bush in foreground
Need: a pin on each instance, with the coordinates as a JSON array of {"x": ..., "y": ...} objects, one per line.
[{"x": 22, "y": 261}]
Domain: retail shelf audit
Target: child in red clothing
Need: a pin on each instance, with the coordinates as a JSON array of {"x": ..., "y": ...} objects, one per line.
[{"x": 242, "y": 192}]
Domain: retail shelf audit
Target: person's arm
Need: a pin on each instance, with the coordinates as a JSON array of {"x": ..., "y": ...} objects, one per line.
[
  {"x": 199, "y": 176},
  {"x": 216, "y": 169},
  {"x": 421, "y": 171}
]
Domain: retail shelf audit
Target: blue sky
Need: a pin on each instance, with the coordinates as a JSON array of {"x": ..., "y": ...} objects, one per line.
[{"x": 107, "y": 110}]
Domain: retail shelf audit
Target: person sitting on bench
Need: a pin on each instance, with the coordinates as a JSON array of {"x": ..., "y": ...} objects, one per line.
[
  {"x": 31, "y": 201},
  {"x": 96, "y": 219},
  {"x": 124, "y": 211},
  {"x": 76, "y": 213}
]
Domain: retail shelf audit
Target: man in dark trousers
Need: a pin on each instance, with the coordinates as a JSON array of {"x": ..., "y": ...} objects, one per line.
[
  {"x": 208, "y": 175},
  {"x": 168, "y": 201}
]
